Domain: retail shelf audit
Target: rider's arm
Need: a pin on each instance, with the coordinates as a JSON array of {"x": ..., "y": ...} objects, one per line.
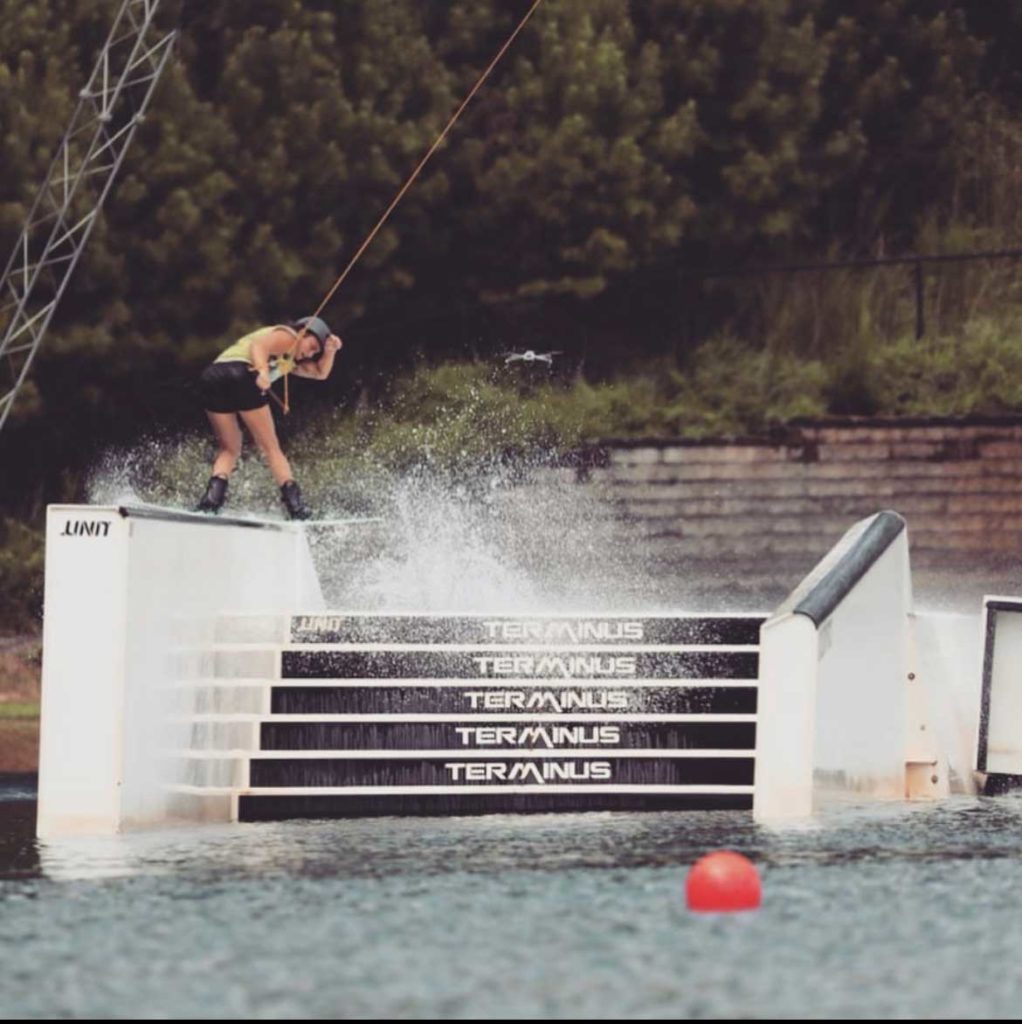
[{"x": 321, "y": 368}]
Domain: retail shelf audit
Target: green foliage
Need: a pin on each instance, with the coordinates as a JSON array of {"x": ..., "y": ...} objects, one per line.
[
  {"x": 460, "y": 418},
  {"x": 729, "y": 388},
  {"x": 616, "y": 145},
  {"x": 19, "y": 710},
  {"x": 615, "y": 139},
  {"x": 21, "y": 576},
  {"x": 449, "y": 418},
  {"x": 977, "y": 371},
  {"x": 895, "y": 91},
  {"x": 461, "y": 414}
]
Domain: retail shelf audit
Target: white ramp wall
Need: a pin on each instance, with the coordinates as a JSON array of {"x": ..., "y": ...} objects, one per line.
[
  {"x": 833, "y": 707},
  {"x": 130, "y": 592},
  {"x": 944, "y": 691}
]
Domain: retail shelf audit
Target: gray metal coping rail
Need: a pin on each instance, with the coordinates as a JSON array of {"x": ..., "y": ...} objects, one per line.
[{"x": 826, "y": 593}]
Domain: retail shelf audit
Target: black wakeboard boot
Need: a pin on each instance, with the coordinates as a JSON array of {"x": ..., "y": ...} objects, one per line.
[
  {"x": 291, "y": 496},
  {"x": 216, "y": 494}
]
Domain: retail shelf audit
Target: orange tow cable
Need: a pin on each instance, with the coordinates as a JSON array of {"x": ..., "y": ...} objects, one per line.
[{"x": 404, "y": 188}]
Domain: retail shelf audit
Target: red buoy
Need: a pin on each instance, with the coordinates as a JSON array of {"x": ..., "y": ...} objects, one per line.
[{"x": 723, "y": 881}]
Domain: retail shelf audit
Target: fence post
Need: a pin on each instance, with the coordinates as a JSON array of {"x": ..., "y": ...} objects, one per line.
[{"x": 920, "y": 323}]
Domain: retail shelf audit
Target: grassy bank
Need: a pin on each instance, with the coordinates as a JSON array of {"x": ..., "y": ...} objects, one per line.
[
  {"x": 458, "y": 416},
  {"x": 21, "y": 585},
  {"x": 19, "y": 704}
]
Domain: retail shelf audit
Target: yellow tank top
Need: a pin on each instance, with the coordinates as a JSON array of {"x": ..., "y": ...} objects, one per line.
[{"x": 241, "y": 352}]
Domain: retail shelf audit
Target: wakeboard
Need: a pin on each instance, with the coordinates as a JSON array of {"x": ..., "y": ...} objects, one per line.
[{"x": 144, "y": 510}]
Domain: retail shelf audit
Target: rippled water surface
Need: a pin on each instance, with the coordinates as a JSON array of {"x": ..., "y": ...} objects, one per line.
[{"x": 907, "y": 910}]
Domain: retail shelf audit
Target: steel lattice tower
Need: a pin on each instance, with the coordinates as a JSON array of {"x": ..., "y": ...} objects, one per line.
[{"x": 110, "y": 108}]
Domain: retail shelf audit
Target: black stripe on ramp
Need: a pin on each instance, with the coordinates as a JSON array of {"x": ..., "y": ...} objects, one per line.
[
  {"x": 557, "y": 630},
  {"x": 539, "y": 664},
  {"x": 491, "y": 698},
  {"x": 280, "y": 808},
  {"x": 334, "y": 772},
  {"x": 507, "y": 735},
  {"x": 998, "y": 783}
]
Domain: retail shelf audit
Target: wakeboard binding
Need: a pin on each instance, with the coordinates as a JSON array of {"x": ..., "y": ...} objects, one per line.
[
  {"x": 215, "y": 496},
  {"x": 294, "y": 505}
]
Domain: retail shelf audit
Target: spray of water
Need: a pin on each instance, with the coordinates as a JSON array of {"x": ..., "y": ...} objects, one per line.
[
  {"x": 460, "y": 467},
  {"x": 172, "y": 472},
  {"x": 531, "y": 544},
  {"x": 516, "y": 537}
]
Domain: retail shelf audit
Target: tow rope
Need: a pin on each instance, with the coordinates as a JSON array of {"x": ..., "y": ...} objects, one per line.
[{"x": 285, "y": 404}]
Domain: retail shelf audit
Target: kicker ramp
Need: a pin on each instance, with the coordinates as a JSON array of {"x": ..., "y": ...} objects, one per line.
[
  {"x": 179, "y": 684},
  {"x": 469, "y": 714}
]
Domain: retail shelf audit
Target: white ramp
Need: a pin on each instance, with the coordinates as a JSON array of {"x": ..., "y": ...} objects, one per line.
[
  {"x": 859, "y": 693},
  {"x": 178, "y": 682},
  {"x": 380, "y": 714}
]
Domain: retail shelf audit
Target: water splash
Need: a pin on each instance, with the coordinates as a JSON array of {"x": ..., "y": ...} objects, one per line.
[
  {"x": 518, "y": 539},
  {"x": 511, "y": 537},
  {"x": 172, "y": 472},
  {"x": 436, "y": 553}
]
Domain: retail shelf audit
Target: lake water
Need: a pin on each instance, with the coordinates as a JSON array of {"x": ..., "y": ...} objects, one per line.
[
  {"x": 906, "y": 910},
  {"x": 901, "y": 910}
]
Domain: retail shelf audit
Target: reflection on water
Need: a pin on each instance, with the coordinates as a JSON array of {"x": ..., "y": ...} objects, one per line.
[
  {"x": 370, "y": 848},
  {"x": 907, "y": 910}
]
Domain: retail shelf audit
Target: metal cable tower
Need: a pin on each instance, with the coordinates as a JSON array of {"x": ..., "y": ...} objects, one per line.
[{"x": 109, "y": 109}]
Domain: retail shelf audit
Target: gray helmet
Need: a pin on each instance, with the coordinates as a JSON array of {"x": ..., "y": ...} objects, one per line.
[{"x": 318, "y": 328}]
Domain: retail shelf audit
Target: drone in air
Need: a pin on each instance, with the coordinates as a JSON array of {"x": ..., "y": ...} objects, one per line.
[{"x": 528, "y": 356}]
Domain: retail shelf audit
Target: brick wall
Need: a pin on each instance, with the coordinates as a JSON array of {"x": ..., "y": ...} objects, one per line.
[{"x": 784, "y": 502}]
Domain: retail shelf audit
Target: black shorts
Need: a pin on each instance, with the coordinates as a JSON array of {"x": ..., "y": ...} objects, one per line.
[{"x": 230, "y": 387}]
